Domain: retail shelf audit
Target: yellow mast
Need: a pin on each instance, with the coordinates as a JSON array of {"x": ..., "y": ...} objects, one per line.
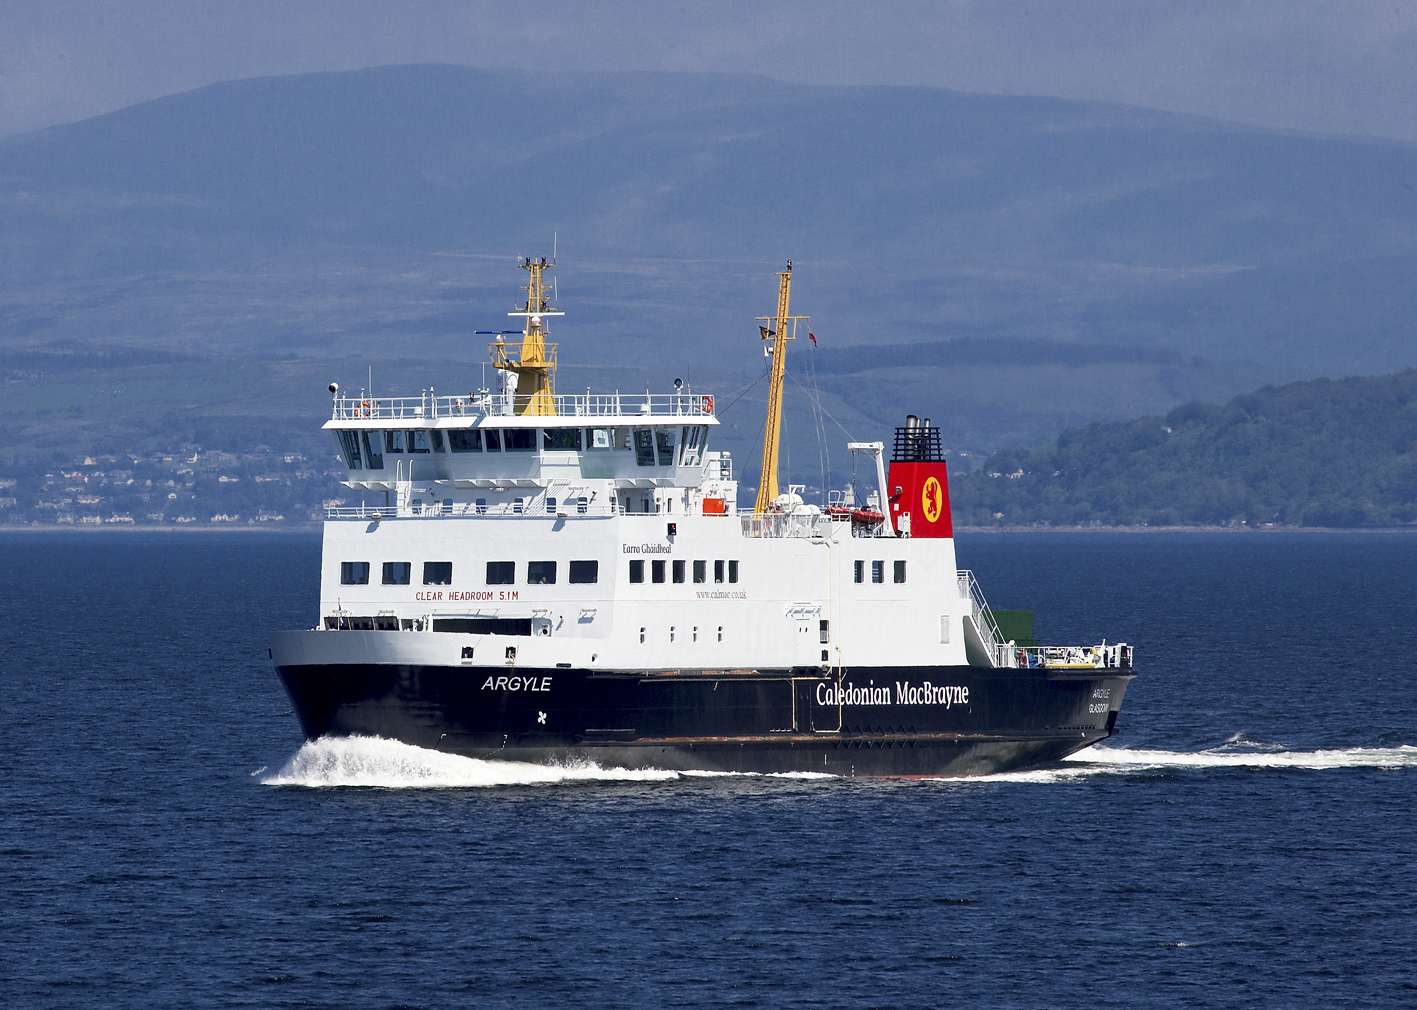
[
  {"x": 772, "y": 433},
  {"x": 535, "y": 371}
]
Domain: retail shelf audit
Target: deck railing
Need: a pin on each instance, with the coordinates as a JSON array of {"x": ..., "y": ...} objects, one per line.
[
  {"x": 609, "y": 405},
  {"x": 774, "y": 525}
]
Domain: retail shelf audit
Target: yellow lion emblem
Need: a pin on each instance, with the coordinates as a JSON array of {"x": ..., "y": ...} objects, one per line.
[{"x": 932, "y": 499}]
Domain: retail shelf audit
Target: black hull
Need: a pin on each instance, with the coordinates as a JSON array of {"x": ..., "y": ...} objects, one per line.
[{"x": 882, "y": 721}]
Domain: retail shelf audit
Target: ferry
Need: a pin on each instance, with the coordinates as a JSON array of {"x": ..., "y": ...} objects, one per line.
[{"x": 559, "y": 578}]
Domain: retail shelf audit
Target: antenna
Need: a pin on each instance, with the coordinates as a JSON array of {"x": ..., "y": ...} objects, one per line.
[
  {"x": 554, "y": 236},
  {"x": 555, "y": 288}
]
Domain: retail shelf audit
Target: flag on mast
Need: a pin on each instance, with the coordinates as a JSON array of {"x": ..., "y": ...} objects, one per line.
[{"x": 812, "y": 337}]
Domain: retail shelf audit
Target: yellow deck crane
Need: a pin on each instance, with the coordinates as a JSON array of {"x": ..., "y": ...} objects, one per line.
[
  {"x": 772, "y": 433},
  {"x": 534, "y": 371}
]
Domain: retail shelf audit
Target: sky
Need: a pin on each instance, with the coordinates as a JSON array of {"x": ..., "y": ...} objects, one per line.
[{"x": 1347, "y": 67}]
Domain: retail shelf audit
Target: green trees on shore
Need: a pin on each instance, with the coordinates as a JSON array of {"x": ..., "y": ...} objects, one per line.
[{"x": 1326, "y": 452}]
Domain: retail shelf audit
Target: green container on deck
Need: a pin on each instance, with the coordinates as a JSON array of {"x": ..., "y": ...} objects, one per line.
[{"x": 1016, "y": 626}]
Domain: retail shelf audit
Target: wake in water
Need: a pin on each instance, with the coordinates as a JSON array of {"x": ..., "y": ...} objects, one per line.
[{"x": 388, "y": 764}]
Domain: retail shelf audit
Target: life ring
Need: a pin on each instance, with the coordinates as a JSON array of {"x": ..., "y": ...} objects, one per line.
[
  {"x": 708, "y": 404},
  {"x": 365, "y": 408}
]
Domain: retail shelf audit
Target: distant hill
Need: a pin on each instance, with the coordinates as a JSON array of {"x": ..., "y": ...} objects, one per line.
[
  {"x": 1120, "y": 261},
  {"x": 1319, "y": 453}
]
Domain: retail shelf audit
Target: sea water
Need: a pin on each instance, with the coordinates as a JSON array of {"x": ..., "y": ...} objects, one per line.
[{"x": 1248, "y": 840}]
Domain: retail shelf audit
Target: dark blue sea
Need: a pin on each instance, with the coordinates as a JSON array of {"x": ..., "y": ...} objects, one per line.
[{"x": 1249, "y": 840}]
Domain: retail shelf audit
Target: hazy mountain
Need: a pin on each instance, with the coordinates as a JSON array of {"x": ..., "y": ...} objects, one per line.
[{"x": 377, "y": 213}]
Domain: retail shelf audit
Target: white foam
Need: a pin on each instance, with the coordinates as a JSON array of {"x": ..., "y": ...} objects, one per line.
[
  {"x": 388, "y": 764},
  {"x": 1226, "y": 756}
]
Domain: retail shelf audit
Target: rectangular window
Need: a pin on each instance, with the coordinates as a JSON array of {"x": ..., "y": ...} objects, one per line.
[
  {"x": 465, "y": 440},
  {"x": 518, "y": 439},
  {"x": 692, "y": 444},
  {"x": 601, "y": 438},
  {"x": 437, "y": 573},
  {"x": 644, "y": 446},
  {"x": 397, "y": 573},
  {"x": 437, "y": 437},
  {"x": 373, "y": 450},
  {"x": 394, "y": 441},
  {"x": 541, "y": 573},
  {"x": 732, "y": 571},
  {"x": 561, "y": 439},
  {"x": 551, "y": 506},
  {"x": 354, "y": 573},
  {"x": 481, "y": 506},
  {"x": 824, "y": 631},
  {"x": 418, "y": 441},
  {"x": 860, "y": 567},
  {"x": 517, "y": 506},
  {"x": 718, "y": 571},
  {"x": 878, "y": 572},
  {"x": 944, "y": 629},
  {"x": 700, "y": 571},
  {"x": 899, "y": 574},
  {"x": 582, "y": 505},
  {"x": 664, "y": 439},
  {"x": 349, "y": 445},
  {"x": 637, "y": 574},
  {"x": 656, "y": 571},
  {"x": 501, "y": 573},
  {"x": 584, "y": 572},
  {"x": 678, "y": 571},
  {"x": 492, "y": 439}
]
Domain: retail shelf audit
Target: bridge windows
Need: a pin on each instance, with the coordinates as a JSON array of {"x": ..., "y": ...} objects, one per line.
[
  {"x": 518, "y": 439},
  {"x": 561, "y": 439},
  {"x": 600, "y": 438},
  {"x": 465, "y": 440},
  {"x": 695, "y": 437},
  {"x": 541, "y": 573},
  {"x": 437, "y": 573},
  {"x": 664, "y": 439},
  {"x": 349, "y": 446},
  {"x": 395, "y": 441},
  {"x": 397, "y": 573},
  {"x": 437, "y": 437},
  {"x": 354, "y": 573},
  {"x": 644, "y": 446},
  {"x": 418, "y": 441},
  {"x": 492, "y": 439},
  {"x": 501, "y": 573}
]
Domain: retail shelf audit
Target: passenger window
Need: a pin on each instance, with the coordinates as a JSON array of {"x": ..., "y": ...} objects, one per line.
[
  {"x": 467, "y": 440},
  {"x": 678, "y": 571},
  {"x": 541, "y": 573},
  {"x": 349, "y": 445},
  {"x": 584, "y": 572},
  {"x": 354, "y": 573},
  {"x": 700, "y": 571},
  {"x": 732, "y": 571},
  {"x": 517, "y": 506},
  {"x": 664, "y": 441},
  {"x": 492, "y": 439},
  {"x": 518, "y": 439},
  {"x": 644, "y": 446},
  {"x": 501, "y": 573},
  {"x": 582, "y": 505},
  {"x": 394, "y": 441},
  {"x": 878, "y": 572},
  {"x": 551, "y": 506},
  {"x": 437, "y": 437},
  {"x": 656, "y": 571},
  {"x": 601, "y": 438},
  {"x": 437, "y": 573},
  {"x": 860, "y": 567},
  {"x": 397, "y": 573},
  {"x": 718, "y": 571},
  {"x": 418, "y": 441},
  {"x": 481, "y": 506},
  {"x": 561, "y": 439},
  {"x": 637, "y": 574},
  {"x": 899, "y": 572}
]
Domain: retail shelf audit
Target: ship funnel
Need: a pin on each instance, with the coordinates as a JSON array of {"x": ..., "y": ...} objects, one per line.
[{"x": 911, "y": 421}]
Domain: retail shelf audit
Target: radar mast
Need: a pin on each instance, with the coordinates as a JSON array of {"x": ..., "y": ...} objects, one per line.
[{"x": 534, "y": 372}]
